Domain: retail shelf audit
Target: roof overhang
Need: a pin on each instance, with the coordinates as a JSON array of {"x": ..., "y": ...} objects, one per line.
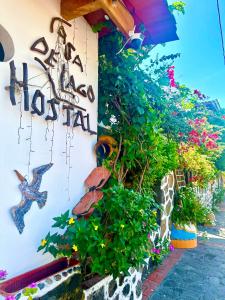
[{"x": 159, "y": 22}]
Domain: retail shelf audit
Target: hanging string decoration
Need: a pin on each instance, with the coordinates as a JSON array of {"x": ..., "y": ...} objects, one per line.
[{"x": 65, "y": 92}]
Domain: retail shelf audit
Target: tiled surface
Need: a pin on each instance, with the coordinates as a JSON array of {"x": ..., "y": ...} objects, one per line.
[
  {"x": 154, "y": 279},
  {"x": 199, "y": 274}
]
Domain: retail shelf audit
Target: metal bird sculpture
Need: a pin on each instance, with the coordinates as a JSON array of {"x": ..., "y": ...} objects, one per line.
[{"x": 30, "y": 193}]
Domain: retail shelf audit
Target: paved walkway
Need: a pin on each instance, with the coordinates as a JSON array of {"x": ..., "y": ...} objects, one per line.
[{"x": 199, "y": 274}]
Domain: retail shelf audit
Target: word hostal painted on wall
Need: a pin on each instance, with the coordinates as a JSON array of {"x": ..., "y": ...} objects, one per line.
[{"x": 39, "y": 102}]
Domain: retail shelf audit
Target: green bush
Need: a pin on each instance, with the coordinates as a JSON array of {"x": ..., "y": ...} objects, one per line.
[
  {"x": 188, "y": 209},
  {"x": 112, "y": 240},
  {"x": 218, "y": 197},
  {"x": 220, "y": 162}
]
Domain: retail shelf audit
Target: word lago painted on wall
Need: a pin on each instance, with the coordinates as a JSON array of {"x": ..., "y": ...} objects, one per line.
[{"x": 64, "y": 89}]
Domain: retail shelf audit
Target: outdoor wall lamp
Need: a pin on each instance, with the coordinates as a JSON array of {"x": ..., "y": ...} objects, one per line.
[{"x": 134, "y": 41}]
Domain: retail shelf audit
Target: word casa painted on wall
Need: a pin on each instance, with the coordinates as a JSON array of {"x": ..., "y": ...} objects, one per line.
[{"x": 65, "y": 92}]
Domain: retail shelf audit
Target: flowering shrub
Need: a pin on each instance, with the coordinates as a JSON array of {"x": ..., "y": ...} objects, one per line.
[
  {"x": 188, "y": 209},
  {"x": 160, "y": 250},
  {"x": 170, "y": 73},
  {"x": 202, "y": 135},
  {"x": 198, "y": 164},
  {"x": 113, "y": 239}
]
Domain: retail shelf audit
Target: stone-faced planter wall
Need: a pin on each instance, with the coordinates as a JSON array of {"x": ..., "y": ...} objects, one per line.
[
  {"x": 166, "y": 199},
  {"x": 52, "y": 286},
  {"x": 129, "y": 287}
]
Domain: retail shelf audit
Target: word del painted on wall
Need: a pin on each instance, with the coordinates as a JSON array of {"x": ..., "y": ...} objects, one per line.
[{"x": 63, "y": 88}]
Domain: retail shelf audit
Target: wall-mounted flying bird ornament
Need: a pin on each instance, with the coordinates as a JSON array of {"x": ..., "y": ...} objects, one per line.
[{"x": 30, "y": 193}]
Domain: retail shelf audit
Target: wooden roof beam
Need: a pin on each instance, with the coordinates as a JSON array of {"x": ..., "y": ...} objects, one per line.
[{"x": 116, "y": 11}]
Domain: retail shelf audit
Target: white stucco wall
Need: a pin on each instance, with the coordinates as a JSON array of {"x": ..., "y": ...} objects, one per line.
[{"x": 27, "y": 21}]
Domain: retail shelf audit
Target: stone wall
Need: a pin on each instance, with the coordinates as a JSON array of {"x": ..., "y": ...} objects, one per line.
[
  {"x": 129, "y": 287},
  {"x": 166, "y": 198},
  {"x": 205, "y": 195}
]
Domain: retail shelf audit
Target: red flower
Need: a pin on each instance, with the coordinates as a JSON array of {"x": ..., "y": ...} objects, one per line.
[
  {"x": 193, "y": 179},
  {"x": 213, "y": 136},
  {"x": 195, "y": 140},
  {"x": 204, "y": 134},
  {"x": 180, "y": 134},
  {"x": 199, "y": 121},
  {"x": 170, "y": 73},
  {"x": 194, "y": 133},
  {"x": 211, "y": 145},
  {"x": 223, "y": 117}
]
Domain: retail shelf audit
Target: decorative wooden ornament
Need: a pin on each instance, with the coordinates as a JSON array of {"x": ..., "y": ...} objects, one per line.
[
  {"x": 105, "y": 146},
  {"x": 30, "y": 193},
  {"x": 97, "y": 178},
  {"x": 95, "y": 181},
  {"x": 85, "y": 206}
]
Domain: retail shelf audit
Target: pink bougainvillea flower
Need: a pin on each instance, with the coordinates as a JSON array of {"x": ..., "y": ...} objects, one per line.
[
  {"x": 199, "y": 94},
  {"x": 170, "y": 73},
  {"x": 173, "y": 84},
  {"x": 213, "y": 136},
  {"x": 199, "y": 121},
  {"x": 156, "y": 251},
  {"x": 195, "y": 140},
  {"x": 3, "y": 274},
  {"x": 180, "y": 134},
  {"x": 194, "y": 133},
  {"x": 211, "y": 145},
  {"x": 204, "y": 134},
  {"x": 32, "y": 285},
  {"x": 171, "y": 248},
  {"x": 223, "y": 117},
  {"x": 10, "y": 298}
]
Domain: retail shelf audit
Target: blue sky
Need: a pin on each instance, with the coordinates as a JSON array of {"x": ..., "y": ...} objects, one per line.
[{"x": 201, "y": 65}]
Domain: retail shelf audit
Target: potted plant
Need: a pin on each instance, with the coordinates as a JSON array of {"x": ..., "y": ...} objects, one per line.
[{"x": 187, "y": 213}]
